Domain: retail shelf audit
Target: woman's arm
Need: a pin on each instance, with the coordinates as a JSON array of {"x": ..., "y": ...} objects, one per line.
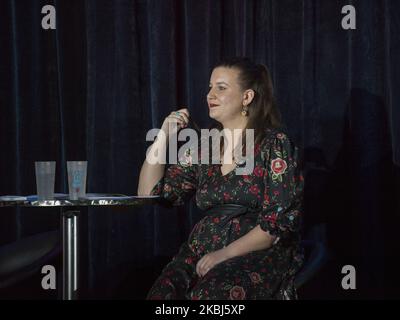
[
  {"x": 254, "y": 240},
  {"x": 150, "y": 173}
]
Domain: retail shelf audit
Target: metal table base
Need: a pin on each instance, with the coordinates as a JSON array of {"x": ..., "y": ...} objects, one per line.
[{"x": 70, "y": 254}]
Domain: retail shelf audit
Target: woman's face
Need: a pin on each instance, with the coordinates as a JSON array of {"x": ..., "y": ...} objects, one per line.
[{"x": 225, "y": 98}]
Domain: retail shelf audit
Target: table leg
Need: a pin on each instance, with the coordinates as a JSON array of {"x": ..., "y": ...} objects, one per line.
[{"x": 70, "y": 254}]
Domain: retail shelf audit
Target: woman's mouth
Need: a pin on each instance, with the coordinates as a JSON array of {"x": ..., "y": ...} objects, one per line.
[{"x": 212, "y": 105}]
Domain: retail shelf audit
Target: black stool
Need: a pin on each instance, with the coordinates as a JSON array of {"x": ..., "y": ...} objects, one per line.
[
  {"x": 316, "y": 256},
  {"x": 23, "y": 258}
]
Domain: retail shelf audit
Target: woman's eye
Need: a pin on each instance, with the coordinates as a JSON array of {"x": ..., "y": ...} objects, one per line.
[{"x": 219, "y": 88}]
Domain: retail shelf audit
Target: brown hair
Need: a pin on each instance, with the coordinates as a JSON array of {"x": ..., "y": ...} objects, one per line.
[{"x": 262, "y": 111}]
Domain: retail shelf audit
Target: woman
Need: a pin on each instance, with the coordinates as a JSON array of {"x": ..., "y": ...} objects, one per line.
[{"x": 233, "y": 253}]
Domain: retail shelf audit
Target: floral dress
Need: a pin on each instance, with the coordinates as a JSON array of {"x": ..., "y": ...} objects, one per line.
[{"x": 274, "y": 190}]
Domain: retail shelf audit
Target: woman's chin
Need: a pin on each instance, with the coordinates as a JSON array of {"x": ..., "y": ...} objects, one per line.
[{"x": 213, "y": 114}]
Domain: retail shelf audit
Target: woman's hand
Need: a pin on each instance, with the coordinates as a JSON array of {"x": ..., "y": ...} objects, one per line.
[
  {"x": 210, "y": 260},
  {"x": 176, "y": 120}
]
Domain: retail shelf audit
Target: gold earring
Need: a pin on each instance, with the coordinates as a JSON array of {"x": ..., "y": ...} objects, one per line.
[{"x": 245, "y": 111}]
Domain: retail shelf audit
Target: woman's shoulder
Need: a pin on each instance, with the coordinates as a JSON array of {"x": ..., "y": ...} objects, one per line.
[
  {"x": 275, "y": 141},
  {"x": 273, "y": 136}
]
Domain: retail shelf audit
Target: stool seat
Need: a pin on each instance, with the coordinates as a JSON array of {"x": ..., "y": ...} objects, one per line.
[
  {"x": 316, "y": 256},
  {"x": 24, "y": 257}
]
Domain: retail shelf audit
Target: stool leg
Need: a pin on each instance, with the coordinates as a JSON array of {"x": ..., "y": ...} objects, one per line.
[{"x": 70, "y": 254}]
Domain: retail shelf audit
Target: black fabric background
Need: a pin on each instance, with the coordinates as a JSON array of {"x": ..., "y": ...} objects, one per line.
[{"x": 112, "y": 70}]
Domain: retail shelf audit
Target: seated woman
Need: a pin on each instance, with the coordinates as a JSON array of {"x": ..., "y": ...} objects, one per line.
[{"x": 248, "y": 244}]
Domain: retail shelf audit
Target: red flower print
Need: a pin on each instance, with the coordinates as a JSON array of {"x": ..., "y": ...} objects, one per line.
[
  {"x": 266, "y": 198},
  {"x": 271, "y": 218},
  {"x": 254, "y": 189},
  {"x": 216, "y": 220},
  {"x": 189, "y": 260},
  {"x": 257, "y": 148},
  {"x": 246, "y": 178},
  {"x": 276, "y": 192},
  {"x": 278, "y": 166},
  {"x": 209, "y": 172},
  {"x": 258, "y": 171},
  {"x": 255, "y": 277},
  {"x": 237, "y": 293},
  {"x": 227, "y": 196}
]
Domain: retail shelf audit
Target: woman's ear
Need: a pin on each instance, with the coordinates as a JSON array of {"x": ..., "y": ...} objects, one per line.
[{"x": 248, "y": 97}]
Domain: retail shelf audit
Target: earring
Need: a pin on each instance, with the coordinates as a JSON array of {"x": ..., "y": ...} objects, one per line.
[{"x": 245, "y": 111}]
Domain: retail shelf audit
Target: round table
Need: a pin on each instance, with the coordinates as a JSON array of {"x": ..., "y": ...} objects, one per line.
[{"x": 69, "y": 215}]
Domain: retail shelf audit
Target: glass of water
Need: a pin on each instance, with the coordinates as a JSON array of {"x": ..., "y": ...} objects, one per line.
[
  {"x": 77, "y": 179},
  {"x": 45, "y": 178}
]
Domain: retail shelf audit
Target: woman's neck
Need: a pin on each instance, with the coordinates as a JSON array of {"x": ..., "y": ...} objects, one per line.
[
  {"x": 240, "y": 123},
  {"x": 235, "y": 125}
]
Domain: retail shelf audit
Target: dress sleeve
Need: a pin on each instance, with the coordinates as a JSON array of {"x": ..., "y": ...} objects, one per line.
[
  {"x": 283, "y": 182},
  {"x": 178, "y": 184}
]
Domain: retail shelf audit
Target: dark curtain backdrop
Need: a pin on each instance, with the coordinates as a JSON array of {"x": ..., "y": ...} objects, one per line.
[{"x": 112, "y": 70}]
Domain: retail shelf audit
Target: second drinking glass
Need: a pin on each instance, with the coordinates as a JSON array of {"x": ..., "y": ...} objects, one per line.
[{"x": 77, "y": 171}]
